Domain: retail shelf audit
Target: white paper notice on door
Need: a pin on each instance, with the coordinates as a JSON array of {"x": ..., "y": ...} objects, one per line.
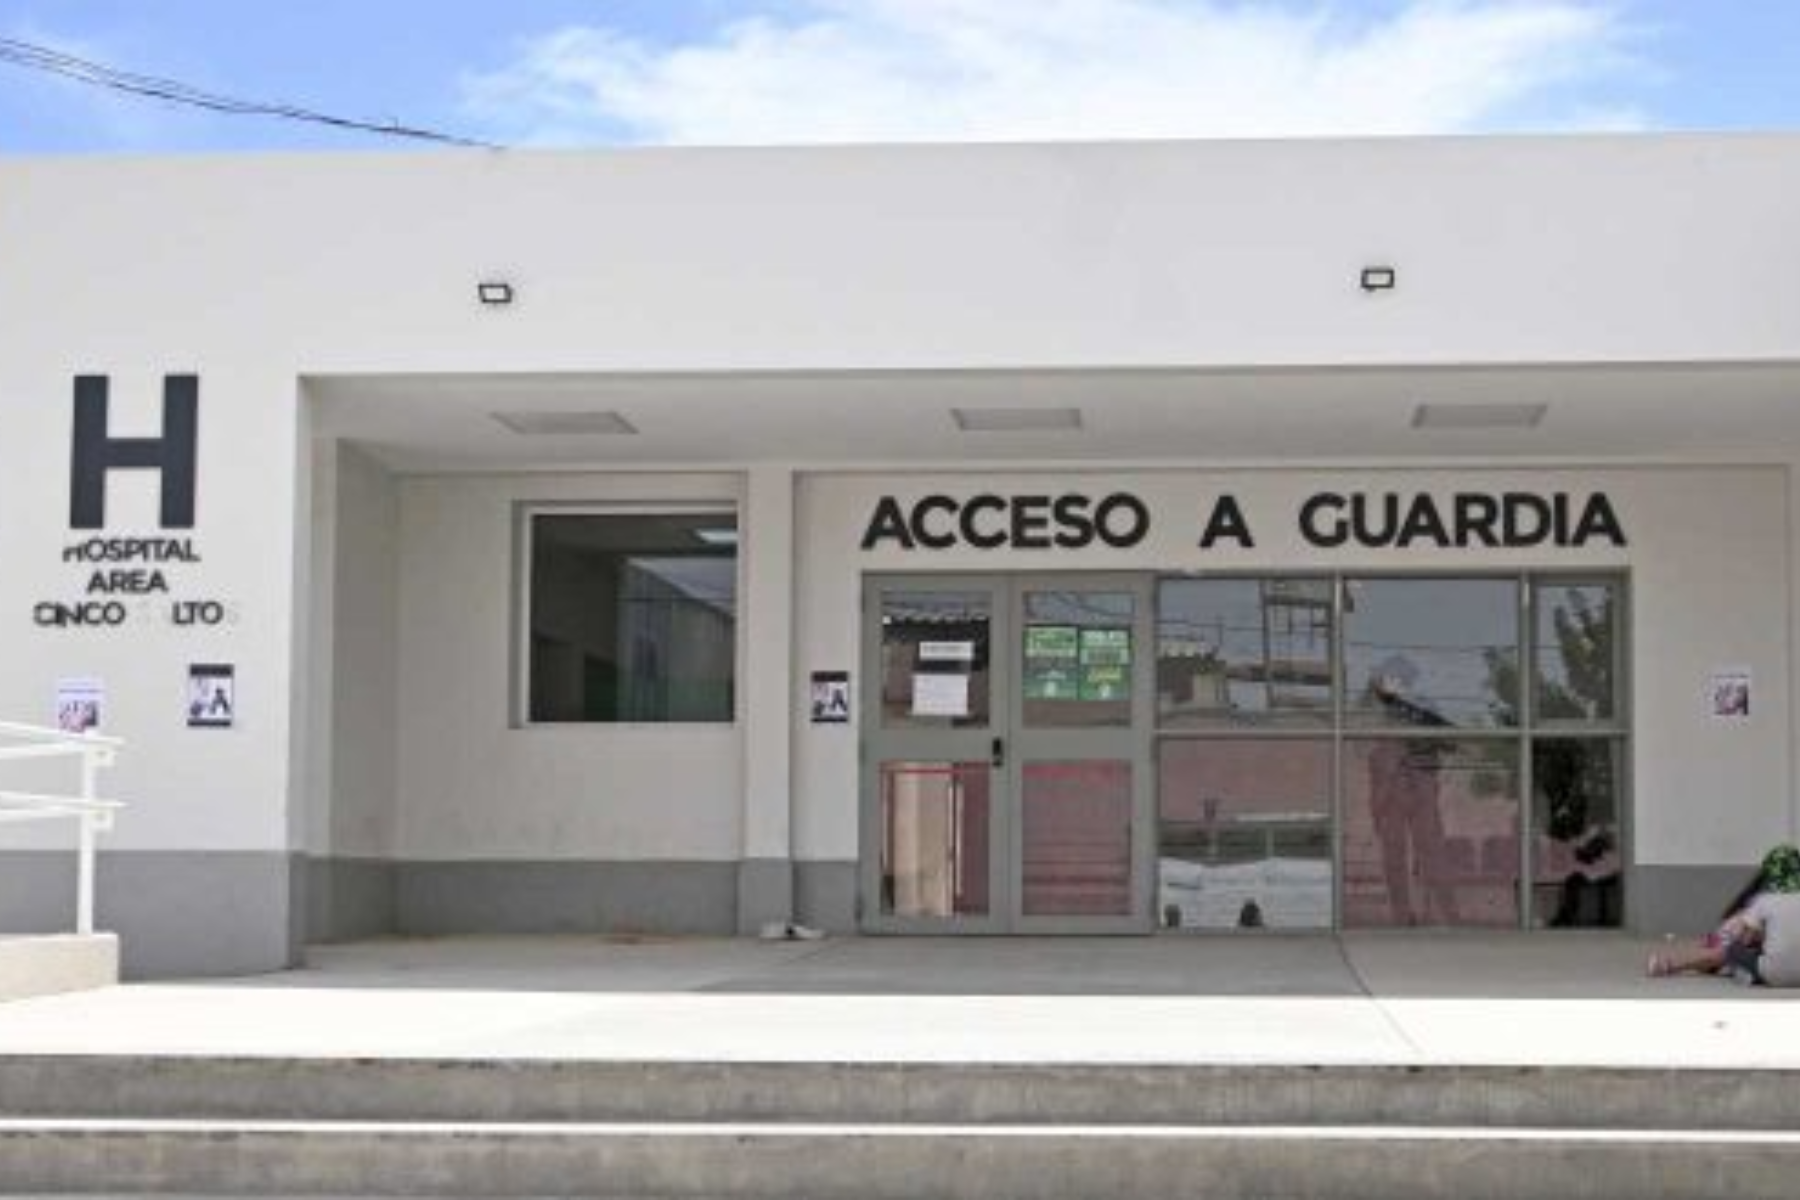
[{"x": 940, "y": 696}]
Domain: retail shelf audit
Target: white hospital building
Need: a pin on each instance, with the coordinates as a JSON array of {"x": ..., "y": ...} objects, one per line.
[{"x": 1150, "y": 539}]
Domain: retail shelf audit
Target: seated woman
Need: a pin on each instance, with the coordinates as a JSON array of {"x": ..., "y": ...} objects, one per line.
[
  {"x": 1772, "y": 955},
  {"x": 1759, "y": 938}
]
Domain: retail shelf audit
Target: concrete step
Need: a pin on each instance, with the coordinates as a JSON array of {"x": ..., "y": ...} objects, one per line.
[
  {"x": 459, "y": 1090},
  {"x": 875, "y": 1162},
  {"x": 50, "y": 964}
]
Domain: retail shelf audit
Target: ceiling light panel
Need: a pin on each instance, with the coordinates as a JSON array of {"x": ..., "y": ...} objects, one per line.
[
  {"x": 1015, "y": 420},
  {"x": 565, "y": 424},
  {"x": 1477, "y": 416}
]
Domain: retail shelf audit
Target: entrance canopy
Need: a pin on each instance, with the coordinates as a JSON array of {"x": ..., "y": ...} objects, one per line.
[{"x": 1713, "y": 412}]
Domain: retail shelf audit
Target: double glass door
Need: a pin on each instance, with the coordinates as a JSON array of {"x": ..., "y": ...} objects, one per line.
[{"x": 1005, "y": 754}]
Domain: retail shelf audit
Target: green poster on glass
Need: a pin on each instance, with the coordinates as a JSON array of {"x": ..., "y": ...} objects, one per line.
[
  {"x": 1052, "y": 661},
  {"x": 1105, "y": 664}
]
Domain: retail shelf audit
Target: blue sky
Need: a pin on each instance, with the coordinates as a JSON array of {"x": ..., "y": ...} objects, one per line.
[{"x": 556, "y": 72}]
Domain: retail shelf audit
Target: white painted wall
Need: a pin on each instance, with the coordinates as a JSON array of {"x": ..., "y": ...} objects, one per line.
[
  {"x": 1138, "y": 254},
  {"x": 260, "y": 271},
  {"x": 1708, "y": 565},
  {"x": 188, "y": 789},
  {"x": 365, "y": 659},
  {"x": 473, "y": 785}
]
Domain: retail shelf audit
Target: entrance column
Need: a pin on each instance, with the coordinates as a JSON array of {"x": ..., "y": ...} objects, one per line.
[{"x": 766, "y": 626}]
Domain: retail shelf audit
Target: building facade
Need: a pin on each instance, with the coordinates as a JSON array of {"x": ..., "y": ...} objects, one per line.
[{"x": 1119, "y": 539}]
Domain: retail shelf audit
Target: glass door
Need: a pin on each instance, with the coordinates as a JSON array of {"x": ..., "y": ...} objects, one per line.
[
  {"x": 1082, "y": 835},
  {"x": 935, "y": 717},
  {"x": 1005, "y": 755}
]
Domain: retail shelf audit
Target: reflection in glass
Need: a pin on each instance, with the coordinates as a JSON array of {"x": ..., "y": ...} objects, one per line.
[
  {"x": 1431, "y": 832},
  {"x": 1243, "y": 651},
  {"x": 633, "y": 617},
  {"x": 1076, "y": 659},
  {"x": 1441, "y": 652},
  {"x": 1576, "y": 626},
  {"x": 1576, "y": 868},
  {"x": 1245, "y": 833},
  {"x": 934, "y": 659},
  {"x": 1077, "y": 838},
  {"x": 934, "y": 839}
]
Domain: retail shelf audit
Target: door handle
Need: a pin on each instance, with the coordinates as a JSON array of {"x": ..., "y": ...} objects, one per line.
[{"x": 999, "y": 752}]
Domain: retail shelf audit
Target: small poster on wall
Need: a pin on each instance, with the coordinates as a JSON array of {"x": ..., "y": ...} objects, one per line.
[
  {"x": 80, "y": 704},
  {"x": 1728, "y": 694},
  {"x": 831, "y": 697},
  {"x": 211, "y": 696}
]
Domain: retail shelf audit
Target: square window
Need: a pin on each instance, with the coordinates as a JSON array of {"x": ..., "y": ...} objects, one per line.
[{"x": 632, "y": 617}]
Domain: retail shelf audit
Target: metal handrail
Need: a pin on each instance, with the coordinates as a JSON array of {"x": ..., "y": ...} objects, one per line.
[{"x": 93, "y": 815}]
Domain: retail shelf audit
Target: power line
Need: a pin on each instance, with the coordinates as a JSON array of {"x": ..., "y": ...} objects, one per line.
[{"x": 54, "y": 62}]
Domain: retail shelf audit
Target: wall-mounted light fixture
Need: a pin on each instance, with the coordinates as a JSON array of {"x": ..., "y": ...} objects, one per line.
[
  {"x": 1379, "y": 279},
  {"x": 494, "y": 293}
]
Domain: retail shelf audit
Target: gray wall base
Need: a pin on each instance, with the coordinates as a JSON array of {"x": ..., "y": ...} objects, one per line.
[
  {"x": 177, "y": 912},
  {"x": 765, "y": 893},
  {"x": 204, "y": 913},
  {"x": 1682, "y": 899},
  {"x": 349, "y": 899},
  {"x": 825, "y": 895},
  {"x": 435, "y": 898}
]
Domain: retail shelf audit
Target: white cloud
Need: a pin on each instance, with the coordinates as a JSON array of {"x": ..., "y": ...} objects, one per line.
[{"x": 955, "y": 70}]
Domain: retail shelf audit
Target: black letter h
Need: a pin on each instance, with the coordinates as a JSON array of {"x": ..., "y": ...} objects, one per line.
[{"x": 96, "y": 453}]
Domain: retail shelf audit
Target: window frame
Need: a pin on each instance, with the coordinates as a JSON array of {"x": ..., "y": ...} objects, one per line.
[
  {"x": 524, "y": 525},
  {"x": 1525, "y": 735}
]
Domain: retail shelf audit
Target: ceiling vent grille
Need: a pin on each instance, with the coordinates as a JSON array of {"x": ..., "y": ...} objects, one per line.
[
  {"x": 1015, "y": 420},
  {"x": 1478, "y": 416}
]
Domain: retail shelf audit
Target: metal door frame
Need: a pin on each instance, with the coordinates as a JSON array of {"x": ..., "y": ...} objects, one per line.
[
  {"x": 877, "y": 744},
  {"x": 1130, "y": 743},
  {"x": 1006, "y": 745}
]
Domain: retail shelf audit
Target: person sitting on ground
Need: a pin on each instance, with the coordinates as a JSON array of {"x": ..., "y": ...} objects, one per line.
[{"x": 1759, "y": 939}]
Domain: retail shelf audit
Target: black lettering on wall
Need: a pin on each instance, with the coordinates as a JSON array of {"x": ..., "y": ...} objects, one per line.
[
  {"x": 922, "y": 532},
  {"x": 1113, "y": 533},
  {"x": 96, "y": 452},
  {"x": 887, "y": 522},
  {"x": 1329, "y": 508},
  {"x": 972, "y": 533},
  {"x": 1525, "y": 519},
  {"x": 1074, "y": 528},
  {"x": 1227, "y": 521},
  {"x": 1476, "y": 516},
  {"x": 1422, "y": 524},
  {"x": 1031, "y": 522},
  {"x": 1599, "y": 520}
]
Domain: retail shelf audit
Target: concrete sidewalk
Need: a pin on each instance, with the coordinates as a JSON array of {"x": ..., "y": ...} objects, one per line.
[{"x": 1570, "y": 1000}]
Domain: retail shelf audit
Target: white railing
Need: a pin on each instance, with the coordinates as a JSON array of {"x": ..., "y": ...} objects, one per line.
[{"x": 93, "y": 815}]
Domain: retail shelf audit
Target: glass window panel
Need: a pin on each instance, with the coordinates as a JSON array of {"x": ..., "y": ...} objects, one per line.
[
  {"x": 1076, "y": 659},
  {"x": 934, "y": 659},
  {"x": 1577, "y": 868},
  {"x": 1243, "y": 651},
  {"x": 1576, "y": 633},
  {"x": 1441, "y": 652},
  {"x": 1431, "y": 832},
  {"x": 934, "y": 839},
  {"x": 1077, "y": 838},
  {"x": 1245, "y": 833},
  {"x": 633, "y": 617}
]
